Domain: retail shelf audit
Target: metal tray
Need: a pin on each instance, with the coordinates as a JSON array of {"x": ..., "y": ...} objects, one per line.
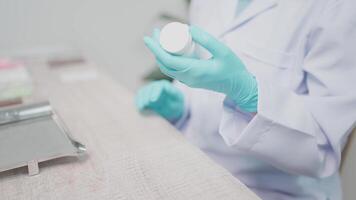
[{"x": 30, "y": 134}]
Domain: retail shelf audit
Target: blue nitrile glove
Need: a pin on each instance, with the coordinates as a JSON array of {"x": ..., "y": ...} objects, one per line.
[
  {"x": 224, "y": 72},
  {"x": 163, "y": 98}
]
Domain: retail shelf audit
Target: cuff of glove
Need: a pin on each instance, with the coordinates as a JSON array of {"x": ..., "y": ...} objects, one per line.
[
  {"x": 182, "y": 121},
  {"x": 246, "y": 99}
]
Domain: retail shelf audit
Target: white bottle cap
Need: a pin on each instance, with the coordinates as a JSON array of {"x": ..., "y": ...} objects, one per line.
[{"x": 175, "y": 38}]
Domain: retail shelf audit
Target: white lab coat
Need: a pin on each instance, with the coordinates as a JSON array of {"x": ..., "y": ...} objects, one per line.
[{"x": 303, "y": 54}]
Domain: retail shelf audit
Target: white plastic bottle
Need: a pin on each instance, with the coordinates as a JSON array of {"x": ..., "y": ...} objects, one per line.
[{"x": 175, "y": 38}]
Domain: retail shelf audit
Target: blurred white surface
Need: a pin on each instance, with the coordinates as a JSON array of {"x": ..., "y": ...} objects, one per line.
[{"x": 107, "y": 32}]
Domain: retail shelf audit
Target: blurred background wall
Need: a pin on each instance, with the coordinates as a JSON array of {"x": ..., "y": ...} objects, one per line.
[{"x": 108, "y": 32}]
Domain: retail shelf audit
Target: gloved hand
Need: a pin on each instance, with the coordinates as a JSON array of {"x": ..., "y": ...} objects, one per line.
[
  {"x": 224, "y": 72},
  {"x": 163, "y": 98}
]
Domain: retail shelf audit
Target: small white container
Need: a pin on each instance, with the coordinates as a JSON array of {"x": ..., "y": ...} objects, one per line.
[{"x": 175, "y": 38}]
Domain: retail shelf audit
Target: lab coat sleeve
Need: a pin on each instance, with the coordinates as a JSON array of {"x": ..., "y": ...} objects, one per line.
[{"x": 305, "y": 133}]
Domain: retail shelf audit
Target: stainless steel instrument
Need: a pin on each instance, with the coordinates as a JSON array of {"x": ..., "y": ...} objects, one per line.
[{"x": 34, "y": 133}]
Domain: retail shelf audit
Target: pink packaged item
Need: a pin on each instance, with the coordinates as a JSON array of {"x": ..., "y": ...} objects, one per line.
[{"x": 7, "y": 63}]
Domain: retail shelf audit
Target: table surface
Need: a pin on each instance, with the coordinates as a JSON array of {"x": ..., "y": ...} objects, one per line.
[{"x": 129, "y": 156}]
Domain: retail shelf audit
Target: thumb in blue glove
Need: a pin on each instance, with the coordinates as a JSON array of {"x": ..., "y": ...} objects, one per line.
[{"x": 163, "y": 98}]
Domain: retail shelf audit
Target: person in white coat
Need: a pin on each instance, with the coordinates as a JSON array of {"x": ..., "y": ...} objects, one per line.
[{"x": 271, "y": 95}]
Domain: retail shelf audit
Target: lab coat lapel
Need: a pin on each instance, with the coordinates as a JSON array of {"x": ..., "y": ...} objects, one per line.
[
  {"x": 257, "y": 7},
  {"x": 226, "y": 11}
]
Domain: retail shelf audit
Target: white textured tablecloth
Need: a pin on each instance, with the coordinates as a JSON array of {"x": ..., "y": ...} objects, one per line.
[{"x": 129, "y": 156}]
